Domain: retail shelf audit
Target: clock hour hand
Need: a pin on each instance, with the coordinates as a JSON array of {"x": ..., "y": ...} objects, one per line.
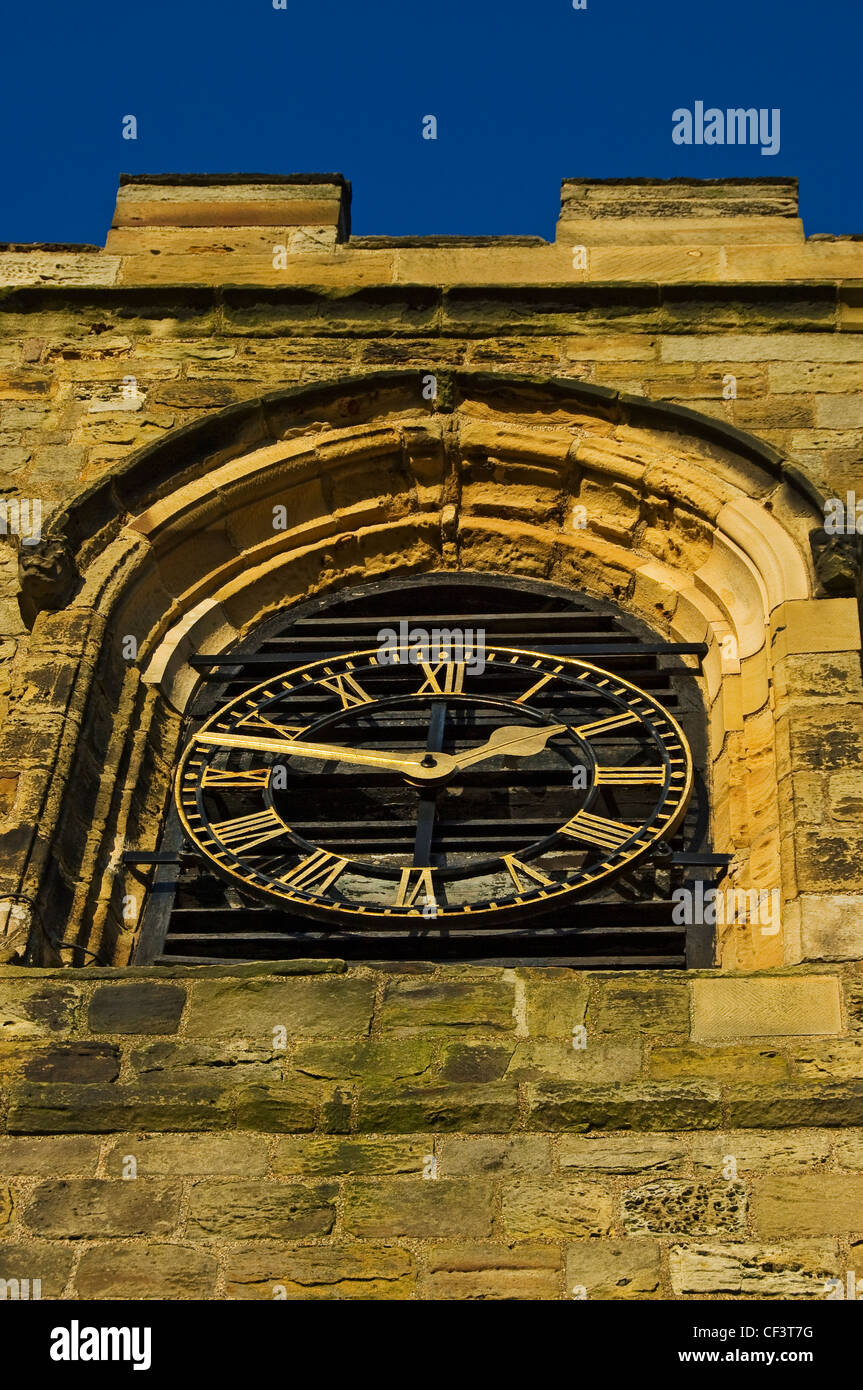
[
  {"x": 422, "y": 766},
  {"x": 511, "y": 741}
]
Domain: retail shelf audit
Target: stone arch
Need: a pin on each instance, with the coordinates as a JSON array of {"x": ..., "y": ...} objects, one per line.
[{"x": 695, "y": 528}]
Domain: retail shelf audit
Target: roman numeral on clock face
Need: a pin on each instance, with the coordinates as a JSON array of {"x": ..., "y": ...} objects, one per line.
[
  {"x": 412, "y": 883},
  {"x": 522, "y": 875},
  {"x": 597, "y": 830},
  {"x": 348, "y": 689},
  {"x": 218, "y": 780},
  {"x": 244, "y": 832},
  {"x": 537, "y": 686},
  {"x": 315, "y": 873},
  {"x": 255, "y": 722},
  {"x": 453, "y": 680},
  {"x": 630, "y": 776}
]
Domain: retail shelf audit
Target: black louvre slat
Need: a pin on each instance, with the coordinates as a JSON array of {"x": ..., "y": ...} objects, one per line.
[{"x": 585, "y": 649}]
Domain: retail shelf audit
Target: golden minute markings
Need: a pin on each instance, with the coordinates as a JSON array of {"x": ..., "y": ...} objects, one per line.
[
  {"x": 315, "y": 873},
  {"x": 453, "y": 680},
  {"x": 603, "y": 726},
  {"x": 242, "y": 833},
  {"x": 598, "y": 830}
]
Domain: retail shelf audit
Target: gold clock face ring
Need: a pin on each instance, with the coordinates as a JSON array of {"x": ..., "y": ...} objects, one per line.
[{"x": 275, "y": 789}]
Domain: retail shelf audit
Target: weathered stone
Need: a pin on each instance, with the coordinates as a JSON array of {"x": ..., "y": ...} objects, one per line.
[
  {"x": 431, "y": 1209},
  {"x": 692, "y": 1063},
  {"x": 177, "y": 1062},
  {"x": 41, "y": 1268},
  {"x": 551, "y": 1208},
  {"x": 157, "y": 1271},
  {"x": 42, "y": 1156},
  {"x": 98, "y": 1109},
  {"x": 516, "y": 1153},
  {"x": 250, "y": 1009},
  {"x": 254, "y": 1210},
  {"x": 560, "y": 1105},
  {"x": 279, "y": 1107},
  {"x": 553, "y": 1007},
  {"x": 408, "y": 1057},
  {"x": 80, "y": 1207},
  {"x": 7, "y": 1206},
  {"x": 492, "y": 1272},
  {"x": 188, "y": 1155},
  {"x": 358, "y": 1155},
  {"x": 831, "y": 925},
  {"x": 475, "y": 1061},
  {"x": 415, "y": 1004},
  {"x": 847, "y": 1149},
  {"x": 757, "y": 1107},
  {"x": 608, "y": 1269},
  {"x": 492, "y": 1107},
  {"x": 620, "y": 1153},
  {"x": 137, "y": 1008},
  {"x": 818, "y": 1204},
  {"x": 829, "y": 1061},
  {"x": 752, "y": 1152},
  {"x": 35, "y": 1010},
  {"x": 83, "y": 1063},
  {"x": 695, "y": 1208},
  {"x": 799, "y": 1269},
  {"x": 638, "y": 1005},
  {"x": 319, "y": 1272},
  {"x": 598, "y": 1061}
]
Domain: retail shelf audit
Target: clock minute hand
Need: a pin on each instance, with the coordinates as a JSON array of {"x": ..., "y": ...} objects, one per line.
[
  {"x": 513, "y": 741},
  {"x": 410, "y": 763}
]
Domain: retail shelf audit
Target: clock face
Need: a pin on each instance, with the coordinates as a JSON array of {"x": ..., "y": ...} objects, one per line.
[{"x": 352, "y": 790}]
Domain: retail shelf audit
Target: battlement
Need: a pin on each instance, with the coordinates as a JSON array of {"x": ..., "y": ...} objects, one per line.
[{"x": 295, "y": 230}]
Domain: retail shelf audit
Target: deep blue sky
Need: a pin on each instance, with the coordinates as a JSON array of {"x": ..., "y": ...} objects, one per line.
[{"x": 525, "y": 94}]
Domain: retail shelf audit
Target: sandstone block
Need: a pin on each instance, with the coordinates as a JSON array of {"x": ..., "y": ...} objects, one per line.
[
  {"x": 419, "y": 1209},
  {"x": 799, "y": 1269},
  {"x": 482, "y": 1272},
  {"x": 625, "y": 1153},
  {"x": 638, "y": 1006},
  {"x": 153, "y": 1271},
  {"x": 137, "y": 1008},
  {"x": 662, "y": 1106},
  {"x": 326, "y": 1157},
  {"x": 415, "y": 1004},
  {"x": 35, "y": 1010},
  {"x": 459, "y": 1157},
  {"x": 820, "y": 1204},
  {"x": 77, "y": 1207},
  {"x": 360, "y": 1271},
  {"x": 551, "y": 1208},
  {"x": 44, "y": 1261},
  {"x": 189, "y": 1155},
  {"x": 252, "y": 1008},
  {"x": 610, "y": 1269},
  {"x": 779, "y": 1006},
  {"x": 260, "y": 1210},
  {"x": 490, "y": 1108},
  {"x": 696, "y": 1208}
]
